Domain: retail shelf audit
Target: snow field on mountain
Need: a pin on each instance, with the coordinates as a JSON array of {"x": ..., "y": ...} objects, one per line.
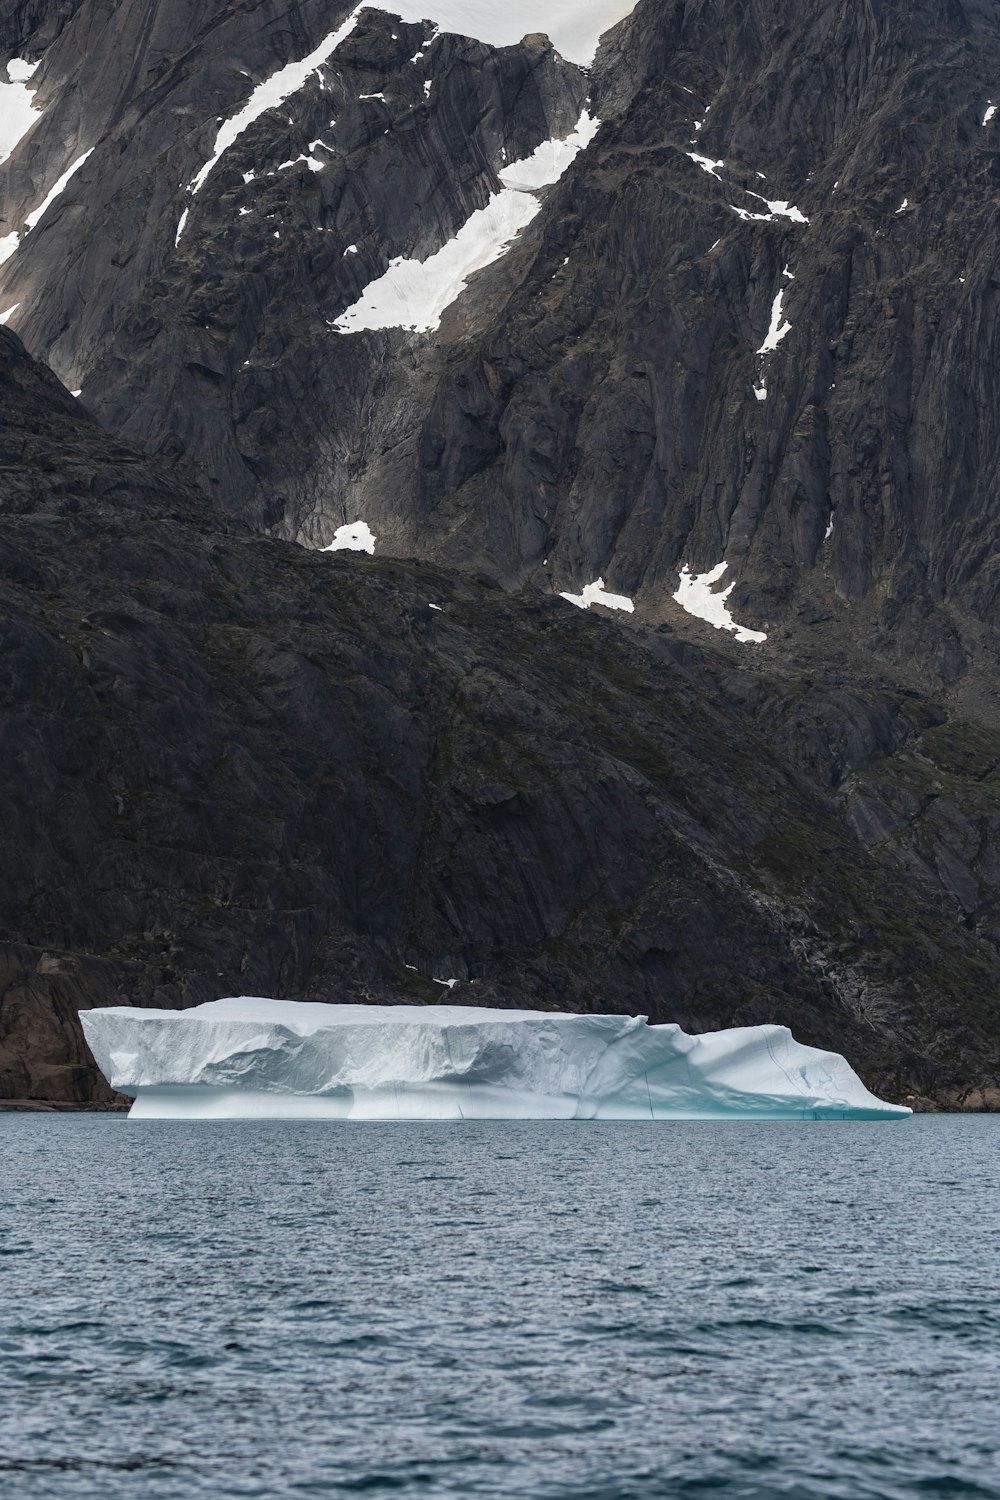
[
  {"x": 595, "y": 593},
  {"x": 778, "y": 327},
  {"x": 413, "y": 294},
  {"x": 56, "y": 190},
  {"x": 574, "y": 27},
  {"x": 268, "y": 95},
  {"x": 17, "y": 106},
  {"x": 696, "y": 597},
  {"x": 356, "y": 537},
  {"x": 248, "y": 1057}
]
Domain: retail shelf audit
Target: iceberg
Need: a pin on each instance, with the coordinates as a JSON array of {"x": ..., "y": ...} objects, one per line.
[{"x": 254, "y": 1058}]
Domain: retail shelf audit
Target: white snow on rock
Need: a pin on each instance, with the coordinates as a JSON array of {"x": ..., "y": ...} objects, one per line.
[
  {"x": 707, "y": 164},
  {"x": 695, "y": 597},
  {"x": 548, "y": 162},
  {"x": 5, "y": 317},
  {"x": 257, "y": 1058},
  {"x": 777, "y": 208},
  {"x": 903, "y": 206},
  {"x": 413, "y": 294},
  {"x": 36, "y": 216},
  {"x": 780, "y": 208},
  {"x": 19, "y": 70},
  {"x": 760, "y": 391},
  {"x": 358, "y": 537},
  {"x": 17, "y": 106},
  {"x": 267, "y": 95},
  {"x": 573, "y": 26},
  {"x": 778, "y": 327},
  {"x": 595, "y": 593},
  {"x": 991, "y": 110}
]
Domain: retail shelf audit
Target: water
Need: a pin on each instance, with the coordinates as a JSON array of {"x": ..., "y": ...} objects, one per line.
[{"x": 606, "y": 1312}]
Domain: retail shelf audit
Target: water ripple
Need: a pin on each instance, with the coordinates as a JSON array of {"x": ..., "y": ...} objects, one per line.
[{"x": 552, "y": 1312}]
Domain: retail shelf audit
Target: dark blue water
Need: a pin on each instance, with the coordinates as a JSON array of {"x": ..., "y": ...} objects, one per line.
[{"x": 523, "y": 1309}]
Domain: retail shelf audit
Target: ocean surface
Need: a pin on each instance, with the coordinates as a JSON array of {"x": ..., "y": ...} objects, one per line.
[{"x": 526, "y": 1309}]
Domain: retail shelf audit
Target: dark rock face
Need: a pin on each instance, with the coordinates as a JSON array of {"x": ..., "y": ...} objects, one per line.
[
  {"x": 203, "y": 346},
  {"x": 233, "y": 765},
  {"x": 589, "y": 406}
]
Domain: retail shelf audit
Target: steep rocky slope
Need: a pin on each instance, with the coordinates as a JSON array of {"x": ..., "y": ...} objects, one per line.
[
  {"x": 232, "y": 764},
  {"x": 815, "y": 181},
  {"x": 749, "y": 320}
]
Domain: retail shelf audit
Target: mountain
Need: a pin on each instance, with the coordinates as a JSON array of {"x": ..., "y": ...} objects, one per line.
[{"x": 712, "y": 306}]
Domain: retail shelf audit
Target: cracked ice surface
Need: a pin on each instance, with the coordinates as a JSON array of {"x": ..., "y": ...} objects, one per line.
[
  {"x": 257, "y": 1058},
  {"x": 695, "y": 597}
]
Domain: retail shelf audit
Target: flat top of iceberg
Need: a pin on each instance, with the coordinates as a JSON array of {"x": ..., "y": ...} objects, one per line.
[{"x": 304, "y": 1016}]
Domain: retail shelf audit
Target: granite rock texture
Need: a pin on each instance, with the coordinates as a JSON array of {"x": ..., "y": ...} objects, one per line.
[{"x": 233, "y": 762}]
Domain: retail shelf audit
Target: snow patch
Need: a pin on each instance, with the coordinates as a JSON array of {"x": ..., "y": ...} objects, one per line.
[
  {"x": 780, "y": 208},
  {"x": 904, "y": 205},
  {"x": 573, "y": 26},
  {"x": 706, "y": 164},
  {"x": 55, "y": 191},
  {"x": 778, "y": 327},
  {"x": 777, "y": 208},
  {"x": 357, "y": 537},
  {"x": 413, "y": 294},
  {"x": 548, "y": 162},
  {"x": 248, "y": 1057},
  {"x": 17, "y": 106},
  {"x": 5, "y": 317},
  {"x": 8, "y": 244},
  {"x": 695, "y": 597},
  {"x": 19, "y": 70},
  {"x": 269, "y": 95},
  {"x": 595, "y": 593},
  {"x": 987, "y": 117}
]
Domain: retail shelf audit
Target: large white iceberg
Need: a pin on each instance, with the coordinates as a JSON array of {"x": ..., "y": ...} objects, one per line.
[{"x": 280, "y": 1059}]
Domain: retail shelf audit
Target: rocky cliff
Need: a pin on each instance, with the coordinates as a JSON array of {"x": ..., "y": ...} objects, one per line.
[{"x": 729, "y": 300}]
